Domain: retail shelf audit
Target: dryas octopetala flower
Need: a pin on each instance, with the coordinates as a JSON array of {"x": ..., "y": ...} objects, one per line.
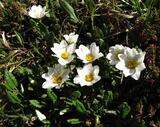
[
  {"x": 71, "y": 38},
  {"x": 37, "y": 12},
  {"x": 88, "y": 75},
  {"x": 88, "y": 54},
  {"x": 55, "y": 77},
  {"x": 131, "y": 62},
  {"x": 64, "y": 52},
  {"x": 114, "y": 51}
]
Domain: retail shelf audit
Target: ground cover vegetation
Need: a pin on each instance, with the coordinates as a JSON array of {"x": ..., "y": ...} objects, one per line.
[{"x": 80, "y": 63}]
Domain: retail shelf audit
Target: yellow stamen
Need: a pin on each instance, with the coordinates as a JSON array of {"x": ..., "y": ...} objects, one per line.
[
  {"x": 65, "y": 55},
  {"x": 132, "y": 64},
  {"x": 89, "y": 57},
  {"x": 89, "y": 77},
  {"x": 56, "y": 79}
]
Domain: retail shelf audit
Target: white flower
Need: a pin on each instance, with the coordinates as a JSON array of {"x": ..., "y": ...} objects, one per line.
[
  {"x": 114, "y": 51},
  {"x": 55, "y": 77},
  {"x": 88, "y": 75},
  {"x": 131, "y": 62},
  {"x": 64, "y": 52},
  {"x": 37, "y": 12},
  {"x": 71, "y": 38},
  {"x": 40, "y": 116},
  {"x": 88, "y": 54}
]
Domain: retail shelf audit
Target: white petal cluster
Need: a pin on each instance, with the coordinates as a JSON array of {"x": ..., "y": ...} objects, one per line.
[
  {"x": 88, "y": 54},
  {"x": 88, "y": 75},
  {"x": 37, "y": 12},
  {"x": 114, "y": 51},
  {"x": 55, "y": 77},
  {"x": 129, "y": 61},
  {"x": 64, "y": 52},
  {"x": 71, "y": 38}
]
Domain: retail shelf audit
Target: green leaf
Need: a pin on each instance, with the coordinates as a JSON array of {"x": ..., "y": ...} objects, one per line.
[
  {"x": 110, "y": 96},
  {"x": 43, "y": 29},
  {"x": 24, "y": 70},
  {"x": 40, "y": 28},
  {"x": 91, "y": 5},
  {"x": 19, "y": 37},
  {"x": 11, "y": 82},
  {"x": 76, "y": 94},
  {"x": 68, "y": 8},
  {"x": 125, "y": 109},
  {"x": 52, "y": 95},
  {"x": 79, "y": 106},
  {"x": 13, "y": 97},
  {"x": 36, "y": 103},
  {"x": 114, "y": 82},
  {"x": 74, "y": 121},
  {"x": 98, "y": 32},
  {"x": 37, "y": 51}
]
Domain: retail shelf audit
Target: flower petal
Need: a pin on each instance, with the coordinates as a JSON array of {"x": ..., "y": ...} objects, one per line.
[
  {"x": 141, "y": 67},
  {"x": 120, "y": 65},
  {"x": 136, "y": 75},
  {"x": 62, "y": 61},
  {"x": 76, "y": 79},
  {"x": 96, "y": 79},
  {"x": 71, "y": 48},
  {"x": 127, "y": 72},
  {"x": 96, "y": 70},
  {"x": 66, "y": 37},
  {"x": 47, "y": 85},
  {"x": 82, "y": 51},
  {"x": 109, "y": 56}
]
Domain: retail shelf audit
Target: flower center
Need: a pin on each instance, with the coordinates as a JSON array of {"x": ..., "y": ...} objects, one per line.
[
  {"x": 65, "y": 55},
  {"x": 89, "y": 77},
  {"x": 89, "y": 57},
  {"x": 56, "y": 79},
  {"x": 131, "y": 64}
]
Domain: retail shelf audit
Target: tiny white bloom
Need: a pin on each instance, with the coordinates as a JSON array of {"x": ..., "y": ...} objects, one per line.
[
  {"x": 114, "y": 51},
  {"x": 37, "y": 12},
  {"x": 131, "y": 62},
  {"x": 40, "y": 116},
  {"x": 55, "y": 77},
  {"x": 88, "y": 75},
  {"x": 71, "y": 38},
  {"x": 88, "y": 54},
  {"x": 64, "y": 52}
]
